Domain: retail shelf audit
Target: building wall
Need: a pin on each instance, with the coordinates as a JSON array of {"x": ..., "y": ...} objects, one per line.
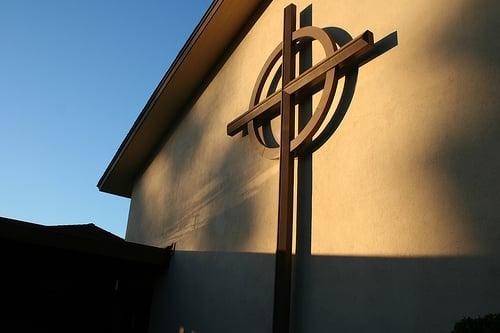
[{"x": 399, "y": 209}]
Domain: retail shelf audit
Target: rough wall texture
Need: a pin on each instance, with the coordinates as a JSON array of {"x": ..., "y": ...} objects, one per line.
[{"x": 400, "y": 214}]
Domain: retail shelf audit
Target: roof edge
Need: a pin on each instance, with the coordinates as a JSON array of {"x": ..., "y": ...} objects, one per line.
[
  {"x": 159, "y": 88},
  {"x": 144, "y": 136}
]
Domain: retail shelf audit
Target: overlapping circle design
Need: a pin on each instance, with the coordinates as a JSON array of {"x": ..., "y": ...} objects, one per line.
[{"x": 306, "y": 134}]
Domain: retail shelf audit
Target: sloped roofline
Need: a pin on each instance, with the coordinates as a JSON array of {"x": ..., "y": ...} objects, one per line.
[
  {"x": 83, "y": 239},
  {"x": 211, "y": 40}
]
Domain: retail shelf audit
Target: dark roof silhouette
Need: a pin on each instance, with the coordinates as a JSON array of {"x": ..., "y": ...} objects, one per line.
[
  {"x": 75, "y": 278},
  {"x": 82, "y": 238}
]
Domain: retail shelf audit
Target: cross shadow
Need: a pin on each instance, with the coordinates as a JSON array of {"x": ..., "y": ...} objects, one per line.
[
  {"x": 350, "y": 74},
  {"x": 232, "y": 292},
  {"x": 305, "y": 162}
]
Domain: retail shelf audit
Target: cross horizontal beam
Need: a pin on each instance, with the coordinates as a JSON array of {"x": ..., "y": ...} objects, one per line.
[{"x": 312, "y": 76}]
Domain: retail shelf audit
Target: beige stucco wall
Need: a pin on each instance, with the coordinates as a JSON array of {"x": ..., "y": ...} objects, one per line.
[{"x": 405, "y": 209}]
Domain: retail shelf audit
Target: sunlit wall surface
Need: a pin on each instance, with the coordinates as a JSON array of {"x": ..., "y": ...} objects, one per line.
[{"x": 399, "y": 213}]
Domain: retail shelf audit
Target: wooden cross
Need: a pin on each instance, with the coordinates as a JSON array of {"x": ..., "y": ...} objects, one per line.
[{"x": 323, "y": 75}]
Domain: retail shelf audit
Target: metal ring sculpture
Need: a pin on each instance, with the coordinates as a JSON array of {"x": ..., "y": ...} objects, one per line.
[{"x": 330, "y": 85}]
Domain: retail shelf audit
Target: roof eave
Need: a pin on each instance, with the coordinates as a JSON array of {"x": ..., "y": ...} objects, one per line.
[{"x": 196, "y": 60}]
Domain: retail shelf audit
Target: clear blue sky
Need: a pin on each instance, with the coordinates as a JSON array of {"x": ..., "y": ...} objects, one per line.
[{"x": 74, "y": 75}]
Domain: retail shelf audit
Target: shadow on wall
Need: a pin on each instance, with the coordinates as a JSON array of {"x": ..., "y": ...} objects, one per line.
[
  {"x": 174, "y": 199},
  {"x": 232, "y": 292},
  {"x": 469, "y": 158}
]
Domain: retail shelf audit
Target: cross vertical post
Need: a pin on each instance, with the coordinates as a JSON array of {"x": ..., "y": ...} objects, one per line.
[
  {"x": 282, "y": 279},
  {"x": 309, "y": 81}
]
